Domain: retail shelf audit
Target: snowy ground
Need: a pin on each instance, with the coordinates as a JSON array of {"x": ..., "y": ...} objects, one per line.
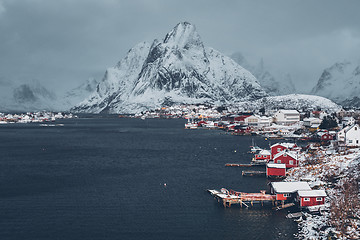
[{"x": 338, "y": 172}]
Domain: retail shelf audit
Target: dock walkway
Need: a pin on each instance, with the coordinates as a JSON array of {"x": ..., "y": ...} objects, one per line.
[{"x": 232, "y": 197}]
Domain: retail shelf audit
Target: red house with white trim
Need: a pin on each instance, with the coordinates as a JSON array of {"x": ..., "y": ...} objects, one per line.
[
  {"x": 290, "y": 159},
  {"x": 275, "y": 170},
  {"x": 263, "y": 155},
  {"x": 287, "y": 190},
  {"x": 279, "y": 147},
  {"x": 311, "y": 198}
]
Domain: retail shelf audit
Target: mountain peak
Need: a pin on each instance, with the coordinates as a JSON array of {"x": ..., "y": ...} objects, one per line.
[{"x": 183, "y": 35}]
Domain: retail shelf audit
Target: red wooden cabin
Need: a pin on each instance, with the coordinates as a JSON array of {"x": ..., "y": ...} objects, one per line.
[
  {"x": 290, "y": 159},
  {"x": 275, "y": 170},
  {"x": 311, "y": 198},
  {"x": 287, "y": 190},
  {"x": 279, "y": 147},
  {"x": 263, "y": 155}
]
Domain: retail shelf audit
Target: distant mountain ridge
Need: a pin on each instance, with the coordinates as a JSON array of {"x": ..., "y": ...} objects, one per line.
[
  {"x": 178, "y": 69},
  {"x": 281, "y": 86},
  {"x": 340, "y": 83}
]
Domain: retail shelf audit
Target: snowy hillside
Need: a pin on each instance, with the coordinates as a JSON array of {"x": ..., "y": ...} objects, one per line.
[
  {"x": 340, "y": 83},
  {"x": 178, "y": 69},
  {"x": 291, "y": 101},
  {"x": 279, "y": 85}
]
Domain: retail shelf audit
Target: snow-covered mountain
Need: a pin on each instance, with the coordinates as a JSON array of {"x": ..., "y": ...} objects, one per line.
[
  {"x": 177, "y": 69},
  {"x": 79, "y": 93},
  {"x": 33, "y": 96},
  {"x": 280, "y": 85},
  {"x": 291, "y": 101},
  {"x": 340, "y": 83},
  {"x": 29, "y": 96}
]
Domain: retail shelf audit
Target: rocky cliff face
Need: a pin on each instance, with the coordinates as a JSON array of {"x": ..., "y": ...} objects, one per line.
[
  {"x": 340, "y": 83},
  {"x": 178, "y": 69}
]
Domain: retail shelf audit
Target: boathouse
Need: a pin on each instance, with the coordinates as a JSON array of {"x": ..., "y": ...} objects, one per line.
[
  {"x": 289, "y": 158},
  {"x": 287, "y": 191},
  {"x": 310, "y": 198},
  {"x": 275, "y": 170}
]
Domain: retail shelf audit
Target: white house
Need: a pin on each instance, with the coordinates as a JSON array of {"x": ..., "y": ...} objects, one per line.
[
  {"x": 287, "y": 117},
  {"x": 265, "y": 121},
  {"x": 252, "y": 120},
  {"x": 350, "y": 136},
  {"x": 312, "y": 122}
]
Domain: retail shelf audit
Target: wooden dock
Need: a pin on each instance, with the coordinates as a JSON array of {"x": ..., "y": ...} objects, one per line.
[
  {"x": 232, "y": 197},
  {"x": 253, "y": 173},
  {"x": 243, "y": 164}
]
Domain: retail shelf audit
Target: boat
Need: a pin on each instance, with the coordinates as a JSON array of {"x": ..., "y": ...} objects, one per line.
[{"x": 191, "y": 125}]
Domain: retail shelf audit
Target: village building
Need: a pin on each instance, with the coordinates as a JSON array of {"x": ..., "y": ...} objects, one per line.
[
  {"x": 289, "y": 158},
  {"x": 287, "y": 117},
  {"x": 348, "y": 121},
  {"x": 310, "y": 198},
  {"x": 279, "y": 147},
  {"x": 325, "y": 136},
  {"x": 252, "y": 120},
  {"x": 312, "y": 122},
  {"x": 275, "y": 170},
  {"x": 264, "y": 121},
  {"x": 350, "y": 136},
  {"x": 263, "y": 155},
  {"x": 287, "y": 191}
]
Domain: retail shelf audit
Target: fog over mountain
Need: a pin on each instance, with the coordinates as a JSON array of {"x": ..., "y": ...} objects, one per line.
[{"x": 280, "y": 85}]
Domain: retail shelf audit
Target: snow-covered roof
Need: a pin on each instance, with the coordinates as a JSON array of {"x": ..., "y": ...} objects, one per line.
[
  {"x": 264, "y": 152},
  {"x": 312, "y": 193},
  {"x": 289, "y": 111},
  {"x": 290, "y": 187},
  {"x": 276, "y": 165},
  {"x": 290, "y": 153},
  {"x": 287, "y": 145}
]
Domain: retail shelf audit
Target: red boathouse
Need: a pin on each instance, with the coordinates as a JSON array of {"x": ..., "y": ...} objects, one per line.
[
  {"x": 311, "y": 198},
  {"x": 275, "y": 170}
]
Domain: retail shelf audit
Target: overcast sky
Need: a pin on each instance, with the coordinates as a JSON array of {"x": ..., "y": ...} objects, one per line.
[{"x": 62, "y": 43}]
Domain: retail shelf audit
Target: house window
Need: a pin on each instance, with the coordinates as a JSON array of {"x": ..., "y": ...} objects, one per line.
[
  {"x": 350, "y": 141},
  {"x": 319, "y": 199},
  {"x": 287, "y": 195},
  {"x": 291, "y": 162},
  {"x": 306, "y": 199},
  {"x": 279, "y": 149},
  {"x": 278, "y": 161},
  {"x": 357, "y": 141},
  {"x": 355, "y": 128}
]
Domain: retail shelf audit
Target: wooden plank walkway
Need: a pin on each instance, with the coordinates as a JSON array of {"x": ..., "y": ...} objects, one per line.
[
  {"x": 253, "y": 173},
  {"x": 233, "y": 197},
  {"x": 243, "y": 164}
]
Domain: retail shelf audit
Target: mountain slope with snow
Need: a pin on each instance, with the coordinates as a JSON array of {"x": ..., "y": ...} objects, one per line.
[
  {"x": 340, "y": 83},
  {"x": 29, "y": 96},
  {"x": 178, "y": 69}
]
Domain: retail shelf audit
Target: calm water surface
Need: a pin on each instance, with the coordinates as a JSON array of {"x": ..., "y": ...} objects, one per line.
[{"x": 103, "y": 178}]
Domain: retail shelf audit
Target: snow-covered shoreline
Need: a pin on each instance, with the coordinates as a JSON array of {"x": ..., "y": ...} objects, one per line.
[{"x": 338, "y": 172}]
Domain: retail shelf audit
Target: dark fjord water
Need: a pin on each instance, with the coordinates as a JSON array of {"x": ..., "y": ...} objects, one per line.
[{"x": 103, "y": 178}]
